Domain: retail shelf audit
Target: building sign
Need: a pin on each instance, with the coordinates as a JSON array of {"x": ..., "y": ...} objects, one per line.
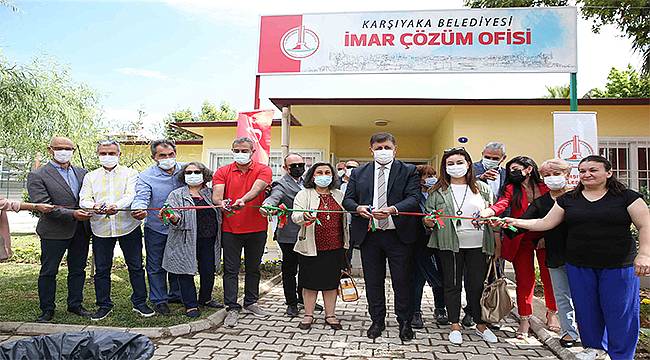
[
  {"x": 444, "y": 41},
  {"x": 576, "y": 137}
]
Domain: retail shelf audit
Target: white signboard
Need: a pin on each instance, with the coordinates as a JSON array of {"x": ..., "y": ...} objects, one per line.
[{"x": 576, "y": 137}]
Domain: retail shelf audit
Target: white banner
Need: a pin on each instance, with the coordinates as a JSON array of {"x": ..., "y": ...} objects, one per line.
[
  {"x": 541, "y": 39},
  {"x": 576, "y": 137}
]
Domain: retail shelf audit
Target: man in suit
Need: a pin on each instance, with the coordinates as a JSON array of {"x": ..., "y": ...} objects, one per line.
[
  {"x": 378, "y": 192},
  {"x": 283, "y": 192},
  {"x": 489, "y": 169},
  {"x": 58, "y": 183}
]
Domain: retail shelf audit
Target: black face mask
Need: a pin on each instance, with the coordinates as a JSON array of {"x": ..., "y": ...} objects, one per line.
[
  {"x": 517, "y": 177},
  {"x": 296, "y": 170}
]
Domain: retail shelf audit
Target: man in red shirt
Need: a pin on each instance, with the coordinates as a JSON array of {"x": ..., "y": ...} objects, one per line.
[{"x": 243, "y": 183}]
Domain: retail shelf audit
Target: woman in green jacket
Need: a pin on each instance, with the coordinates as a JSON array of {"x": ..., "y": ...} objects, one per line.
[{"x": 465, "y": 247}]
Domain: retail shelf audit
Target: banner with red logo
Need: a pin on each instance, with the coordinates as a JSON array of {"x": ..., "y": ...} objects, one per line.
[
  {"x": 256, "y": 125},
  {"x": 576, "y": 137},
  {"x": 444, "y": 41}
]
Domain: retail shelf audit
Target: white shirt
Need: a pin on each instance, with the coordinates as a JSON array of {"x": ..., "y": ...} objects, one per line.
[
  {"x": 469, "y": 237},
  {"x": 110, "y": 187},
  {"x": 495, "y": 184},
  {"x": 375, "y": 196}
]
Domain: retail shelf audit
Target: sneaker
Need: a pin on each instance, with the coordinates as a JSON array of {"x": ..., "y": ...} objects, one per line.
[
  {"x": 213, "y": 304},
  {"x": 255, "y": 310},
  {"x": 231, "y": 319},
  {"x": 101, "y": 314},
  {"x": 441, "y": 316},
  {"x": 416, "y": 321},
  {"x": 455, "y": 337},
  {"x": 144, "y": 311},
  {"x": 193, "y": 313},
  {"x": 589, "y": 354},
  {"x": 162, "y": 309},
  {"x": 292, "y": 310},
  {"x": 487, "y": 336},
  {"x": 467, "y": 321}
]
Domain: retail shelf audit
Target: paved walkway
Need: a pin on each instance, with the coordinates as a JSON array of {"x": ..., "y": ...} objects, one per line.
[{"x": 277, "y": 337}]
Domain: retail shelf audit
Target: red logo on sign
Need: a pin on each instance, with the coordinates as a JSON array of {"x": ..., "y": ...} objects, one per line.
[
  {"x": 299, "y": 43},
  {"x": 575, "y": 149}
]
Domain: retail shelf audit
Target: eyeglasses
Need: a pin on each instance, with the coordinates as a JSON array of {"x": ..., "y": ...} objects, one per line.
[
  {"x": 458, "y": 148},
  {"x": 190, "y": 172},
  {"x": 244, "y": 151},
  {"x": 350, "y": 167},
  {"x": 297, "y": 165}
]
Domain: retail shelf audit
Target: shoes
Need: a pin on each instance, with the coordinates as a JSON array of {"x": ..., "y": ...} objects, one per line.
[
  {"x": 568, "y": 343},
  {"x": 101, "y": 313},
  {"x": 589, "y": 354},
  {"x": 495, "y": 327},
  {"x": 467, "y": 321},
  {"x": 487, "y": 335},
  {"x": 416, "y": 321},
  {"x": 441, "y": 316},
  {"x": 306, "y": 325},
  {"x": 162, "y": 309},
  {"x": 232, "y": 318},
  {"x": 375, "y": 330},
  {"x": 292, "y": 310},
  {"x": 255, "y": 310},
  {"x": 213, "y": 304},
  {"x": 334, "y": 325},
  {"x": 144, "y": 311},
  {"x": 455, "y": 337},
  {"x": 80, "y": 311},
  {"x": 193, "y": 313},
  {"x": 406, "y": 332},
  {"x": 45, "y": 317}
]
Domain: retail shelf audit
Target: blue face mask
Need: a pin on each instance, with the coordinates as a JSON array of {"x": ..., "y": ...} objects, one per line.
[
  {"x": 323, "y": 180},
  {"x": 430, "y": 181}
]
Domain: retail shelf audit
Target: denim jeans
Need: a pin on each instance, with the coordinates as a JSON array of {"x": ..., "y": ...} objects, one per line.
[
  {"x": 565, "y": 310},
  {"x": 154, "y": 243},
  {"x": 131, "y": 245},
  {"x": 427, "y": 270}
]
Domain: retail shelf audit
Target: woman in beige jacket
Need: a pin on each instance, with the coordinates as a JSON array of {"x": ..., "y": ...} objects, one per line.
[
  {"x": 322, "y": 241},
  {"x": 7, "y": 205}
]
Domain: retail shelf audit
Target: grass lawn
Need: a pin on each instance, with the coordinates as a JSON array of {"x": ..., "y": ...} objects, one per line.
[{"x": 18, "y": 286}]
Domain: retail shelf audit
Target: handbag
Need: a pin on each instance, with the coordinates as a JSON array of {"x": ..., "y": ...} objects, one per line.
[
  {"x": 496, "y": 303},
  {"x": 347, "y": 287}
]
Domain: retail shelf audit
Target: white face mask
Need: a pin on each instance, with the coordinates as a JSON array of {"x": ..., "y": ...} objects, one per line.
[
  {"x": 555, "y": 182},
  {"x": 167, "y": 164},
  {"x": 341, "y": 172},
  {"x": 457, "y": 171},
  {"x": 63, "y": 156},
  {"x": 383, "y": 157},
  {"x": 490, "y": 164},
  {"x": 323, "y": 180},
  {"x": 242, "y": 158},
  {"x": 108, "y": 161},
  {"x": 348, "y": 172},
  {"x": 194, "y": 179}
]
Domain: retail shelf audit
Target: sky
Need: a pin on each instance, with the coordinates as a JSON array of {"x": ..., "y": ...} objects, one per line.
[{"x": 166, "y": 55}]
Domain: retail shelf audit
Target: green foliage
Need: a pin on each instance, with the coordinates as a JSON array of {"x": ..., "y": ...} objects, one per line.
[
  {"x": 626, "y": 83},
  {"x": 209, "y": 112},
  {"x": 630, "y": 16},
  {"x": 558, "y": 92},
  {"x": 176, "y": 133},
  {"x": 40, "y": 100}
]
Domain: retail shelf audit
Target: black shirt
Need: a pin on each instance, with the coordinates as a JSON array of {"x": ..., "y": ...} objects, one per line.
[
  {"x": 599, "y": 232},
  {"x": 206, "y": 220},
  {"x": 555, "y": 239}
]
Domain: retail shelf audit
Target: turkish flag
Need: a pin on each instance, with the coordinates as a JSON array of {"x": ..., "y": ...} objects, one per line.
[{"x": 256, "y": 125}]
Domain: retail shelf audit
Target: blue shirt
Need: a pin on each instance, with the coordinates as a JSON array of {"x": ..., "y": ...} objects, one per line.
[
  {"x": 151, "y": 191},
  {"x": 69, "y": 176}
]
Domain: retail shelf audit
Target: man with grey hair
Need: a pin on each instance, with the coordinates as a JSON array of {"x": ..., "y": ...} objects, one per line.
[
  {"x": 243, "y": 183},
  {"x": 151, "y": 191},
  {"x": 489, "y": 169},
  {"x": 105, "y": 190}
]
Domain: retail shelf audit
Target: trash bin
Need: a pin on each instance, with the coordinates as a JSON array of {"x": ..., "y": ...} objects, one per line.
[{"x": 80, "y": 345}]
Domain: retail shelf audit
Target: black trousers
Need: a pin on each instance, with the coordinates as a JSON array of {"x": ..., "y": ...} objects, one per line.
[
  {"x": 375, "y": 249},
  {"x": 292, "y": 292},
  {"x": 473, "y": 264},
  {"x": 52, "y": 252},
  {"x": 205, "y": 258},
  {"x": 253, "y": 245}
]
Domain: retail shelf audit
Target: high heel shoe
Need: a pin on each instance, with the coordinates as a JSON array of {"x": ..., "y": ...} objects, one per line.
[
  {"x": 306, "y": 325},
  {"x": 336, "y": 325}
]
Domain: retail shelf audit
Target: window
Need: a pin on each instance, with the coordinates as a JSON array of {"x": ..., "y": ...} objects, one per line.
[
  {"x": 221, "y": 157},
  {"x": 630, "y": 159}
]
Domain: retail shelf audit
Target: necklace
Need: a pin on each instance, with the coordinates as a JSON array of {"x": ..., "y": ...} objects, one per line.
[
  {"x": 322, "y": 199},
  {"x": 459, "y": 208}
]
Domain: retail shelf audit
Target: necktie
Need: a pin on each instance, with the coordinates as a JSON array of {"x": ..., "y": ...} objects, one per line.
[{"x": 381, "y": 198}]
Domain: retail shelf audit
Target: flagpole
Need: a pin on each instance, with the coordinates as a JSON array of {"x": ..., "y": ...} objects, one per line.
[{"x": 256, "y": 101}]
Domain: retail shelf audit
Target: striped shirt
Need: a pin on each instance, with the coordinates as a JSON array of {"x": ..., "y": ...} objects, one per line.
[{"x": 116, "y": 187}]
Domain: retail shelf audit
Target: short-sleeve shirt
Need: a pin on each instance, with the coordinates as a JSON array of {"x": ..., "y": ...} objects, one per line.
[
  {"x": 237, "y": 184},
  {"x": 599, "y": 231},
  {"x": 555, "y": 239}
]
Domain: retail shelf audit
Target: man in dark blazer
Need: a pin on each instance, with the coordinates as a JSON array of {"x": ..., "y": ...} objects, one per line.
[
  {"x": 59, "y": 183},
  {"x": 378, "y": 192}
]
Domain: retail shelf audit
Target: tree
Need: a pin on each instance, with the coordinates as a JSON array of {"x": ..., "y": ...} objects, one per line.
[
  {"x": 630, "y": 16},
  {"x": 626, "y": 83},
  {"x": 558, "y": 92},
  {"x": 40, "y": 100},
  {"x": 209, "y": 112}
]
